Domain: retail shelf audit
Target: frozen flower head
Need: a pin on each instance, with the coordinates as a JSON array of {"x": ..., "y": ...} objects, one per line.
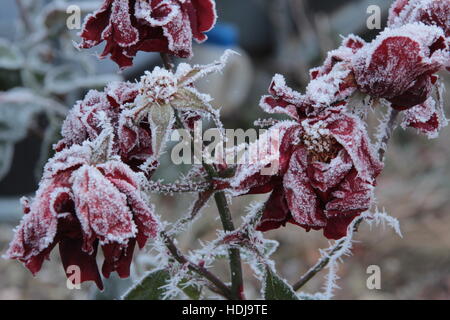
[
  {"x": 158, "y": 86},
  {"x": 331, "y": 84},
  {"x": 129, "y": 26},
  {"x": 85, "y": 122},
  {"x": 82, "y": 204},
  {"x": 429, "y": 12},
  {"x": 400, "y": 64},
  {"x": 327, "y": 168}
]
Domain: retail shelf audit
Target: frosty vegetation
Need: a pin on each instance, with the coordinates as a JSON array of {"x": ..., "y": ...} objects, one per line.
[{"x": 94, "y": 192}]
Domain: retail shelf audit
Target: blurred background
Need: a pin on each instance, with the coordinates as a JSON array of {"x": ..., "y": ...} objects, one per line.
[{"x": 42, "y": 75}]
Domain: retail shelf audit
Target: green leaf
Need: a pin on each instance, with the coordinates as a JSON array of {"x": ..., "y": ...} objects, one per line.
[
  {"x": 161, "y": 118},
  {"x": 10, "y": 56},
  {"x": 275, "y": 288},
  {"x": 150, "y": 287},
  {"x": 193, "y": 292}
]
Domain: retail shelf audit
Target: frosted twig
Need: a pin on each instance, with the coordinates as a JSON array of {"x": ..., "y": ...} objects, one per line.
[
  {"x": 199, "y": 204},
  {"x": 323, "y": 262},
  {"x": 385, "y": 131},
  {"x": 218, "y": 286},
  {"x": 167, "y": 61},
  {"x": 171, "y": 188}
]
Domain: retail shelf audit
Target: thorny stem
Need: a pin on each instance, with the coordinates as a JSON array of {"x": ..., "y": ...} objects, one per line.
[
  {"x": 217, "y": 287},
  {"x": 322, "y": 263},
  {"x": 237, "y": 284}
]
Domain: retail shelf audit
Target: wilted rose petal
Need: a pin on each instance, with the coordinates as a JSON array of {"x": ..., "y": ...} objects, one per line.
[
  {"x": 129, "y": 26},
  {"x": 399, "y": 65}
]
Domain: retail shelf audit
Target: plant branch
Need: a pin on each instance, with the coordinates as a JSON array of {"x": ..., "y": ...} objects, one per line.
[
  {"x": 237, "y": 286},
  {"x": 217, "y": 285},
  {"x": 237, "y": 283},
  {"x": 323, "y": 262},
  {"x": 167, "y": 61}
]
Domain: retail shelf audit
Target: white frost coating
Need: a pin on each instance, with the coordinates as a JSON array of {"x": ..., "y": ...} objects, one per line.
[
  {"x": 188, "y": 74},
  {"x": 430, "y": 111},
  {"x": 342, "y": 247},
  {"x": 325, "y": 90},
  {"x": 411, "y": 12},
  {"x": 265, "y": 151},
  {"x": 143, "y": 10},
  {"x": 424, "y": 35}
]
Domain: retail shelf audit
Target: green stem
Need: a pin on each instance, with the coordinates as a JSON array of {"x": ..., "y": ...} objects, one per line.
[
  {"x": 237, "y": 283},
  {"x": 216, "y": 284}
]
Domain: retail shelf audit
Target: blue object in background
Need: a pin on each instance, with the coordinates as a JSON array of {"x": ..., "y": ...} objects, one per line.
[{"x": 224, "y": 34}]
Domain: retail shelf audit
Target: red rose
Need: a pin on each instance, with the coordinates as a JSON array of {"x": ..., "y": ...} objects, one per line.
[
  {"x": 81, "y": 205},
  {"x": 399, "y": 65},
  {"x": 129, "y": 26},
  {"x": 326, "y": 168},
  {"x": 133, "y": 142},
  {"x": 429, "y": 12}
]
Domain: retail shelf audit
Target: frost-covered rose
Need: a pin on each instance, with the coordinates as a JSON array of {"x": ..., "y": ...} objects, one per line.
[
  {"x": 401, "y": 63},
  {"x": 326, "y": 169},
  {"x": 334, "y": 80},
  {"x": 429, "y": 12},
  {"x": 79, "y": 206},
  {"x": 132, "y": 143},
  {"x": 129, "y": 26},
  {"x": 331, "y": 83}
]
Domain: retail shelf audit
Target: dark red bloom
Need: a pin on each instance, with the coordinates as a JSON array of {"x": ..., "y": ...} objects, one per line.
[
  {"x": 132, "y": 140},
  {"x": 326, "y": 169},
  {"x": 429, "y": 12},
  {"x": 330, "y": 84},
  {"x": 81, "y": 205},
  {"x": 400, "y": 64},
  {"x": 129, "y": 26}
]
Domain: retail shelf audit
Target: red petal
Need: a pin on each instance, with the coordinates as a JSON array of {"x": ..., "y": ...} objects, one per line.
[
  {"x": 276, "y": 212},
  {"x": 301, "y": 198},
  {"x": 72, "y": 255}
]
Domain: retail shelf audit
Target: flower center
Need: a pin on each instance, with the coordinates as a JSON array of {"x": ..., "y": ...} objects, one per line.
[
  {"x": 158, "y": 86},
  {"x": 320, "y": 144}
]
